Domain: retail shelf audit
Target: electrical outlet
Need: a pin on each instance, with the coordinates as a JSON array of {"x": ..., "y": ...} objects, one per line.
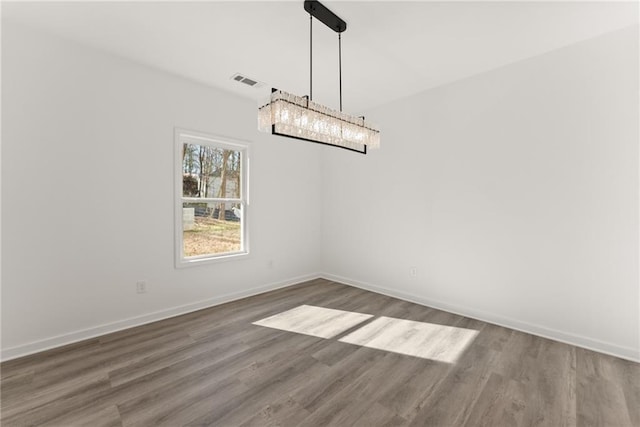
[
  {"x": 141, "y": 286},
  {"x": 413, "y": 271}
]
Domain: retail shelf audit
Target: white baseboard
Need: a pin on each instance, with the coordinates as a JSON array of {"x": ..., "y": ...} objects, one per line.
[
  {"x": 553, "y": 334},
  {"x": 623, "y": 352},
  {"x": 72, "y": 337}
]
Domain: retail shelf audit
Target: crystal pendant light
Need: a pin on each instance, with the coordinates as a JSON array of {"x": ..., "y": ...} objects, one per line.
[
  {"x": 300, "y": 118},
  {"x": 297, "y": 117}
]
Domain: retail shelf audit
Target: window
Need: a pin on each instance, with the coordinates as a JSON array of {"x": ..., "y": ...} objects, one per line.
[{"x": 211, "y": 198}]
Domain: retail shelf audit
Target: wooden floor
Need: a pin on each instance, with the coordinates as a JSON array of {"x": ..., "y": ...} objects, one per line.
[{"x": 214, "y": 367}]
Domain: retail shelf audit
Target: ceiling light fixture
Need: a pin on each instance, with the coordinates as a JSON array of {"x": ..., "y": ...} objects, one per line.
[{"x": 299, "y": 117}]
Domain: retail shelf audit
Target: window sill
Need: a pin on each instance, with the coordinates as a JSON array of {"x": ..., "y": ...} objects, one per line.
[{"x": 194, "y": 262}]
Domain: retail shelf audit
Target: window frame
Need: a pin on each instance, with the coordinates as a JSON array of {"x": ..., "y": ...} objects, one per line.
[{"x": 182, "y": 136}]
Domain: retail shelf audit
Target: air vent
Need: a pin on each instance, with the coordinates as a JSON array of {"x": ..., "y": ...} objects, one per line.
[{"x": 246, "y": 80}]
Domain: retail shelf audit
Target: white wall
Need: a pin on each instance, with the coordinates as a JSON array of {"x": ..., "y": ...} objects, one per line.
[
  {"x": 87, "y": 194},
  {"x": 514, "y": 193}
]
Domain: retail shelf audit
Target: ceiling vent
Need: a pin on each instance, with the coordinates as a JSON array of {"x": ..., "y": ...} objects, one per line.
[{"x": 246, "y": 80}]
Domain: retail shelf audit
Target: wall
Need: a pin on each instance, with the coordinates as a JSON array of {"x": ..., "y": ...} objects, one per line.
[
  {"x": 513, "y": 193},
  {"x": 87, "y": 194}
]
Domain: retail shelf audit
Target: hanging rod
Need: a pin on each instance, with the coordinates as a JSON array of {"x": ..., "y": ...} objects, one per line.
[{"x": 324, "y": 15}]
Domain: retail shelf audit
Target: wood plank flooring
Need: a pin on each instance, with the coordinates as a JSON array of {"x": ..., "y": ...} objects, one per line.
[{"x": 215, "y": 367}]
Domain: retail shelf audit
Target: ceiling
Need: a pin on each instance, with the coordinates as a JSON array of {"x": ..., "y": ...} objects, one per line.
[{"x": 390, "y": 49}]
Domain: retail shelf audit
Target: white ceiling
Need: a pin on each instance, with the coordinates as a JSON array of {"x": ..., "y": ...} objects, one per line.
[{"x": 390, "y": 49}]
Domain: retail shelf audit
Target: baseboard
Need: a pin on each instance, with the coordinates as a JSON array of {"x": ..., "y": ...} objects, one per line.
[
  {"x": 541, "y": 331},
  {"x": 73, "y": 337},
  {"x": 76, "y": 336}
]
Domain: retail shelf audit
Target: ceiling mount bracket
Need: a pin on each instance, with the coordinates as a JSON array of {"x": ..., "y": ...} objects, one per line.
[{"x": 324, "y": 15}]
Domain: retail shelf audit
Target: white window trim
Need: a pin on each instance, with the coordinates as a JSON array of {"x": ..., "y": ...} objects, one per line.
[{"x": 180, "y": 135}]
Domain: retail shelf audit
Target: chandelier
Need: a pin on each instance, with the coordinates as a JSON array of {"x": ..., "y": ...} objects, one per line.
[{"x": 299, "y": 117}]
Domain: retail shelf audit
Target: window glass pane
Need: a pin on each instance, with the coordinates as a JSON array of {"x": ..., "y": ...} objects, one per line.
[
  {"x": 211, "y": 228},
  {"x": 210, "y": 171}
]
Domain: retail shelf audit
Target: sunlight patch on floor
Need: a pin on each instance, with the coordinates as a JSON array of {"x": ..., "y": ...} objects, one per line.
[
  {"x": 315, "y": 321},
  {"x": 418, "y": 339}
]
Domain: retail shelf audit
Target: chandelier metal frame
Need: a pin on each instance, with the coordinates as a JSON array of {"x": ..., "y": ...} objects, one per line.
[{"x": 300, "y": 118}]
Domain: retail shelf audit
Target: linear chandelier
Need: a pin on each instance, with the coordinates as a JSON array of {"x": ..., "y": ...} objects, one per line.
[{"x": 299, "y": 117}]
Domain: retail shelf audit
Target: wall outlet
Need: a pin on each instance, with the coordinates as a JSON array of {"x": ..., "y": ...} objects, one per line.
[
  {"x": 141, "y": 286},
  {"x": 413, "y": 271}
]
